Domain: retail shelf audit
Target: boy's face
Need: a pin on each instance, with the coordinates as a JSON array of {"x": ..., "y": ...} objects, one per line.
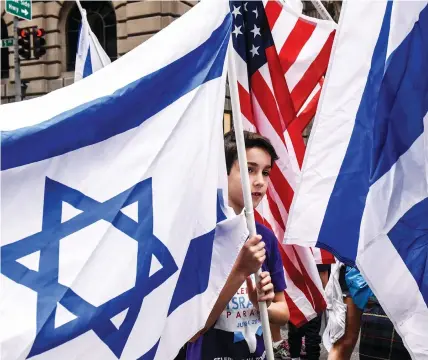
[{"x": 259, "y": 167}]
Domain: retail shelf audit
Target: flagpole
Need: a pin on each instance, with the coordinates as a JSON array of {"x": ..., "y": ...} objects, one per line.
[
  {"x": 79, "y": 5},
  {"x": 246, "y": 189},
  {"x": 319, "y": 6}
]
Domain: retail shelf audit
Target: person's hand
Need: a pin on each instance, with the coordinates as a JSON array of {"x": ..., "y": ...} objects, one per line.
[
  {"x": 263, "y": 291},
  {"x": 251, "y": 256}
]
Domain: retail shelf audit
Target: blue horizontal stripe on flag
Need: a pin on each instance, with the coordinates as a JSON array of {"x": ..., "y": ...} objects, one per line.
[{"x": 125, "y": 109}]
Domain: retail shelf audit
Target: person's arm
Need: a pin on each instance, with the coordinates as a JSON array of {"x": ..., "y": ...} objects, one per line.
[
  {"x": 278, "y": 310},
  {"x": 250, "y": 259}
]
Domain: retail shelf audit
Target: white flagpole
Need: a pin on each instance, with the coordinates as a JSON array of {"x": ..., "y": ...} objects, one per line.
[
  {"x": 319, "y": 6},
  {"x": 79, "y": 5},
  {"x": 246, "y": 189}
]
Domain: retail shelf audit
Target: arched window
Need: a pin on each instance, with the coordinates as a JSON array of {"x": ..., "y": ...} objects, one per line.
[
  {"x": 102, "y": 19},
  {"x": 4, "y": 52}
]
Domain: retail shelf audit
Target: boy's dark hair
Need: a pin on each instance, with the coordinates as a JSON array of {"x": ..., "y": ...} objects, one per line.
[{"x": 252, "y": 140}]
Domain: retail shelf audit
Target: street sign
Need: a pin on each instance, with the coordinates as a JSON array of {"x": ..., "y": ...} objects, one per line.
[
  {"x": 6, "y": 42},
  {"x": 19, "y": 8}
]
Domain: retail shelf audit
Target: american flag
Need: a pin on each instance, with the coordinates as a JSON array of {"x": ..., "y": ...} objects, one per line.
[{"x": 281, "y": 57}]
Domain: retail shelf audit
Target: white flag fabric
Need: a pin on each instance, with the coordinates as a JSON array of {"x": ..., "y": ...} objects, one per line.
[
  {"x": 296, "y": 5},
  {"x": 90, "y": 55},
  {"x": 116, "y": 237},
  {"x": 364, "y": 187}
]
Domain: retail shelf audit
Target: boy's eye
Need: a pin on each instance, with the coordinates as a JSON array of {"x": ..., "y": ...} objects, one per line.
[
  {"x": 266, "y": 173},
  {"x": 250, "y": 170}
]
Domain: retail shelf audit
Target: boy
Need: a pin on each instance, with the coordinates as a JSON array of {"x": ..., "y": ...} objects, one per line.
[{"x": 233, "y": 329}]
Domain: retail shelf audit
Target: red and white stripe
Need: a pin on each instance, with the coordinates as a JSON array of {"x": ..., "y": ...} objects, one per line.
[{"x": 279, "y": 101}]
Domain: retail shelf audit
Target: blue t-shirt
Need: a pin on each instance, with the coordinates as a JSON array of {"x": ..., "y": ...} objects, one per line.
[{"x": 237, "y": 334}]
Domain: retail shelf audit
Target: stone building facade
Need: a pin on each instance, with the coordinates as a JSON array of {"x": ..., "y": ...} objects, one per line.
[{"x": 119, "y": 25}]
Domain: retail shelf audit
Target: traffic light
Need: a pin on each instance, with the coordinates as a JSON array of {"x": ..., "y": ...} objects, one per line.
[
  {"x": 39, "y": 42},
  {"x": 24, "y": 42}
]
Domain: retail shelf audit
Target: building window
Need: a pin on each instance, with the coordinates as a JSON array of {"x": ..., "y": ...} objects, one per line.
[
  {"x": 4, "y": 52},
  {"x": 102, "y": 19}
]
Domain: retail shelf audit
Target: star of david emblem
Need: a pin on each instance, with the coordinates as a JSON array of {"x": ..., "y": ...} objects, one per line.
[{"x": 51, "y": 294}]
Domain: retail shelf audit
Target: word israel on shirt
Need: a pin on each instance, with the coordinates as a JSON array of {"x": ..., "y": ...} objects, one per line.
[{"x": 241, "y": 301}]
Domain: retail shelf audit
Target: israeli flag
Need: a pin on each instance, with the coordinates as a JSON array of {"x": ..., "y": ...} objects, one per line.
[
  {"x": 364, "y": 188},
  {"x": 90, "y": 55},
  {"x": 116, "y": 235}
]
